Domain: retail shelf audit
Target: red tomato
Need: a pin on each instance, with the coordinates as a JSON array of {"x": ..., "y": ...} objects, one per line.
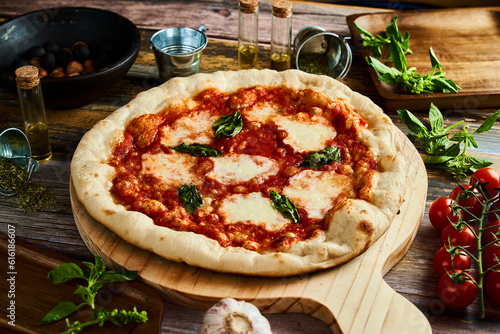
[
  {"x": 494, "y": 216},
  {"x": 472, "y": 205},
  {"x": 458, "y": 295},
  {"x": 492, "y": 287},
  {"x": 465, "y": 237},
  {"x": 489, "y": 254},
  {"x": 442, "y": 261},
  {"x": 440, "y": 213},
  {"x": 489, "y": 175},
  {"x": 488, "y": 235}
]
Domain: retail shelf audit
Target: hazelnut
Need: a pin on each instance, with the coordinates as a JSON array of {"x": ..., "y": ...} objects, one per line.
[
  {"x": 74, "y": 67},
  {"x": 42, "y": 73},
  {"x": 35, "y": 61},
  {"x": 58, "y": 72}
]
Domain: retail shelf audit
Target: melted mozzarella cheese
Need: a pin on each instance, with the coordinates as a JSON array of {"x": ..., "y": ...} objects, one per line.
[
  {"x": 236, "y": 168},
  {"x": 189, "y": 129},
  {"x": 251, "y": 208},
  {"x": 262, "y": 113},
  {"x": 306, "y": 136},
  {"x": 173, "y": 169},
  {"x": 316, "y": 191}
]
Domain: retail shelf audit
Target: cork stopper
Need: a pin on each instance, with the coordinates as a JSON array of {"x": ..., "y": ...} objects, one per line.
[
  {"x": 27, "y": 77},
  {"x": 248, "y": 6},
  {"x": 282, "y": 8}
]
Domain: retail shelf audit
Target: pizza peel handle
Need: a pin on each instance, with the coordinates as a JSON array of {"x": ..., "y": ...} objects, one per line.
[{"x": 351, "y": 298}]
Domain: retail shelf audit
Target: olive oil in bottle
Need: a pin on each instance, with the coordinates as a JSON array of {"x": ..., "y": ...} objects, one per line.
[
  {"x": 281, "y": 35},
  {"x": 33, "y": 109},
  {"x": 248, "y": 28}
]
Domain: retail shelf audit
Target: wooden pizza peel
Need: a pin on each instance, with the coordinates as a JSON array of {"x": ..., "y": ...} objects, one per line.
[{"x": 351, "y": 298}]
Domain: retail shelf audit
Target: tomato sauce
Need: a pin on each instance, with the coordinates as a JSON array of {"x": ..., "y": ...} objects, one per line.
[{"x": 134, "y": 188}]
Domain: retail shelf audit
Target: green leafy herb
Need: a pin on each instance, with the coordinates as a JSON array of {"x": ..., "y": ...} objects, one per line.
[
  {"x": 101, "y": 316},
  {"x": 414, "y": 83},
  {"x": 95, "y": 277},
  {"x": 198, "y": 150},
  {"x": 190, "y": 197},
  {"x": 228, "y": 126},
  {"x": 30, "y": 195},
  {"x": 321, "y": 158},
  {"x": 437, "y": 142},
  {"x": 282, "y": 204},
  {"x": 376, "y": 43}
]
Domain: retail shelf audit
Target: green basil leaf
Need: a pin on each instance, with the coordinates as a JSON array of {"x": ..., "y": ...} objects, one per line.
[
  {"x": 488, "y": 123},
  {"x": 190, "y": 197},
  {"x": 118, "y": 276},
  {"x": 321, "y": 158},
  {"x": 65, "y": 272},
  {"x": 228, "y": 126},
  {"x": 436, "y": 118},
  {"x": 382, "y": 68},
  {"x": 398, "y": 55},
  {"x": 434, "y": 60},
  {"x": 198, "y": 150},
  {"x": 412, "y": 122},
  {"x": 436, "y": 159},
  {"x": 283, "y": 205},
  {"x": 60, "y": 311},
  {"x": 452, "y": 151}
]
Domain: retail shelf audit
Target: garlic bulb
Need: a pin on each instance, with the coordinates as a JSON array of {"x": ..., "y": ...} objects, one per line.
[{"x": 229, "y": 316}]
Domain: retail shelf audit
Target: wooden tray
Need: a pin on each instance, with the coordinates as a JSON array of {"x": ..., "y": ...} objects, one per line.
[
  {"x": 35, "y": 295},
  {"x": 352, "y": 298},
  {"x": 466, "y": 42}
]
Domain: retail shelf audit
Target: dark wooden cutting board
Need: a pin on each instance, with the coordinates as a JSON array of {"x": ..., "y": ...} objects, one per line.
[{"x": 34, "y": 295}]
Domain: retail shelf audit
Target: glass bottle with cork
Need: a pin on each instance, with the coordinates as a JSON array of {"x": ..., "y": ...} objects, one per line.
[
  {"x": 248, "y": 34},
  {"x": 33, "y": 110},
  {"x": 281, "y": 35}
]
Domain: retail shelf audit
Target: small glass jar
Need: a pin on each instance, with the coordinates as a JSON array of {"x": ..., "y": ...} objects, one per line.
[
  {"x": 36, "y": 128},
  {"x": 281, "y": 35},
  {"x": 248, "y": 34}
]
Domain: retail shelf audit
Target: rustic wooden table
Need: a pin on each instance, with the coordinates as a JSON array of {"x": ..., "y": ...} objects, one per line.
[{"x": 413, "y": 277}]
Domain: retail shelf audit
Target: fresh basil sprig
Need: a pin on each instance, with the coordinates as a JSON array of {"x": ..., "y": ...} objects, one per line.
[
  {"x": 282, "y": 204},
  {"x": 228, "y": 126},
  {"x": 190, "y": 197},
  {"x": 376, "y": 43},
  {"x": 96, "y": 276},
  {"x": 198, "y": 150},
  {"x": 321, "y": 158},
  {"x": 437, "y": 142}
]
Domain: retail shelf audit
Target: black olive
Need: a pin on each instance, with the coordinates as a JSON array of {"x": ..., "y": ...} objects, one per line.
[
  {"x": 49, "y": 62},
  {"x": 63, "y": 57},
  {"x": 36, "y": 51},
  {"x": 81, "y": 52},
  {"x": 18, "y": 63},
  {"x": 50, "y": 47}
]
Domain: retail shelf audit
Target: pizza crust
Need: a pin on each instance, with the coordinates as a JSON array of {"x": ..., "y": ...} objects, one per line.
[{"x": 354, "y": 224}]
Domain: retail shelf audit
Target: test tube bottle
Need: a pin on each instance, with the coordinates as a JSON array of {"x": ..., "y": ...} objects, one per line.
[
  {"x": 36, "y": 128},
  {"x": 248, "y": 34},
  {"x": 281, "y": 35}
]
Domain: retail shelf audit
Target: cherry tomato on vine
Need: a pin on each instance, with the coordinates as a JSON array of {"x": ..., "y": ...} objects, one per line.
[
  {"x": 473, "y": 206},
  {"x": 442, "y": 261},
  {"x": 489, "y": 233},
  {"x": 494, "y": 215},
  {"x": 488, "y": 256},
  {"x": 440, "y": 213},
  {"x": 492, "y": 287},
  {"x": 464, "y": 237},
  {"x": 457, "y": 295},
  {"x": 490, "y": 175}
]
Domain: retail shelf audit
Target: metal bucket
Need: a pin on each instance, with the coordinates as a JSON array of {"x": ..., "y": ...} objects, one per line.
[
  {"x": 321, "y": 52},
  {"x": 14, "y": 145},
  {"x": 178, "y": 51}
]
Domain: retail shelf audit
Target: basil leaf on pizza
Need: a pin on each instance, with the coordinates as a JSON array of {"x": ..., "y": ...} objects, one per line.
[
  {"x": 282, "y": 204},
  {"x": 231, "y": 203},
  {"x": 321, "y": 158},
  {"x": 198, "y": 150},
  {"x": 228, "y": 126},
  {"x": 190, "y": 197}
]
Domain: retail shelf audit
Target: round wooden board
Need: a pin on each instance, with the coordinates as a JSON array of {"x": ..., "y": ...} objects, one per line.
[{"x": 351, "y": 298}]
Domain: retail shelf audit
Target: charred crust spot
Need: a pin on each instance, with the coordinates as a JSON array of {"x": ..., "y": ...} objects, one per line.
[
  {"x": 109, "y": 212},
  {"x": 366, "y": 227}
]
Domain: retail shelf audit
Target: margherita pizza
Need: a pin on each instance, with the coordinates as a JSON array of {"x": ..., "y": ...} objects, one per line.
[{"x": 252, "y": 172}]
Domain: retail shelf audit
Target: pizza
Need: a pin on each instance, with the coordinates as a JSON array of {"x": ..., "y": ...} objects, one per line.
[{"x": 251, "y": 172}]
